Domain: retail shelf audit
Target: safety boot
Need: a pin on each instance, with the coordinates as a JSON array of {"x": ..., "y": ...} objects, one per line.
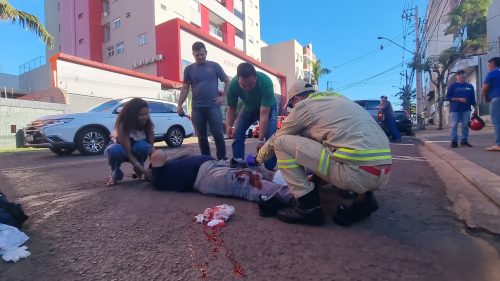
[
  {"x": 361, "y": 208},
  {"x": 268, "y": 207},
  {"x": 306, "y": 211}
]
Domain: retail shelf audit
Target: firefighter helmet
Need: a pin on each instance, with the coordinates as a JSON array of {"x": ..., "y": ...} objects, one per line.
[
  {"x": 297, "y": 88},
  {"x": 476, "y": 123}
]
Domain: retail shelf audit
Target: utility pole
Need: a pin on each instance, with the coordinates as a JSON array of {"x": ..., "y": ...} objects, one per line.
[{"x": 420, "y": 98}]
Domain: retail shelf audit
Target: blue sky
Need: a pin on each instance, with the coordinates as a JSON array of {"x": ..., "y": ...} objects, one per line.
[{"x": 343, "y": 33}]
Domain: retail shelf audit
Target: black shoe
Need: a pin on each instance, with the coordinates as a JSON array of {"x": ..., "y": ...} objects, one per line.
[
  {"x": 346, "y": 216},
  {"x": 465, "y": 143},
  {"x": 306, "y": 211},
  {"x": 454, "y": 144},
  {"x": 269, "y": 207},
  {"x": 313, "y": 216},
  {"x": 237, "y": 164}
]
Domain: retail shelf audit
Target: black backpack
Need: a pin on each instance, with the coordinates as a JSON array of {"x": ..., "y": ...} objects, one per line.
[{"x": 10, "y": 213}]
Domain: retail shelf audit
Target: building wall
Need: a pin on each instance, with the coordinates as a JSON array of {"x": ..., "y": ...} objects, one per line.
[
  {"x": 15, "y": 114},
  {"x": 251, "y": 10},
  {"x": 285, "y": 57},
  {"x": 35, "y": 80},
  {"x": 8, "y": 83},
  {"x": 52, "y": 23},
  {"x": 75, "y": 33},
  {"x": 136, "y": 17}
]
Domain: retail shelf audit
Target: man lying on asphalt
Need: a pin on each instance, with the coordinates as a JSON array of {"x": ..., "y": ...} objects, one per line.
[{"x": 180, "y": 171}]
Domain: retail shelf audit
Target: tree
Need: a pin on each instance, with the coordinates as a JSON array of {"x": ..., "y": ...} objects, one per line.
[
  {"x": 467, "y": 24},
  {"x": 318, "y": 71},
  {"x": 25, "y": 20},
  {"x": 406, "y": 94}
]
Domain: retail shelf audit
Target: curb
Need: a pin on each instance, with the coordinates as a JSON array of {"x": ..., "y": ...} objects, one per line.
[{"x": 485, "y": 181}]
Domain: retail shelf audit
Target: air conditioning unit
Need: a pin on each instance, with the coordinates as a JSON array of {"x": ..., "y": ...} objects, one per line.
[{"x": 105, "y": 14}]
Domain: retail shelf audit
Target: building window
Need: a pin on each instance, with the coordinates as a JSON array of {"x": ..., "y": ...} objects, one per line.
[
  {"x": 195, "y": 5},
  {"x": 107, "y": 32},
  {"x": 250, "y": 38},
  {"x": 80, "y": 41},
  {"x": 163, "y": 7},
  {"x": 141, "y": 39},
  {"x": 238, "y": 14},
  {"x": 117, "y": 23},
  {"x": 110, "y": 51},
  {"x": 120, "y": 48},
  {"x": 216, "y": 30},
  {"x": 80, "y": 15},
  {"x": 250, "y": 21}
]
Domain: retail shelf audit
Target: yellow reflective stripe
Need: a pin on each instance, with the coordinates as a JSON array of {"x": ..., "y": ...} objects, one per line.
[
  {"x": 321, "y": 160},
  {"x": 324, "y": 95},
  {"x": 353, "y": 151},
  {"x": 286, "y": 161},
  {"x": 288, "y": 166},
  {"x": 327, "y": 163},
  {"x": 368, "y": 158}
]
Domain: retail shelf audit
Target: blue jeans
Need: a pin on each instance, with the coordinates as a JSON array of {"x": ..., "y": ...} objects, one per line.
[
  {"x": 462, "y": 117},
  {"x": 201, "y": 116},
  {"x": 495, "y": 117},
  {"x": 243, "y": 122},
  {"x": 390, "y": 124},
  {"x": 116, "y": 155}
]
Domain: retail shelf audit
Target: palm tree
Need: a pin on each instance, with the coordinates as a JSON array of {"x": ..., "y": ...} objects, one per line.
[
  {"x": 318, "y": 71},
  {"x": 25, "y": 20}
]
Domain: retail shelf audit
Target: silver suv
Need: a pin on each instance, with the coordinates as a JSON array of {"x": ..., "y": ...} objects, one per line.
[{"x": 89, "y": 131}]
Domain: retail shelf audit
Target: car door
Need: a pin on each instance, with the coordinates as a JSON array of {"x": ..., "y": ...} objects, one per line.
[{"x": 160, "y": 117}]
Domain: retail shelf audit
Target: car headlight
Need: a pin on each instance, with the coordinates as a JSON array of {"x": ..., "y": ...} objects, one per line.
[{"x": 56, "y": 121}]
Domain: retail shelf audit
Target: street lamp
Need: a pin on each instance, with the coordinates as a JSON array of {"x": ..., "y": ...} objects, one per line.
[
  {"x": 420, "y": 121},
  {"x": 382, "y": 37}
]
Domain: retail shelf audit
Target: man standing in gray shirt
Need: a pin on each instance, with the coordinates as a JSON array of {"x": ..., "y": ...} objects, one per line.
[{"x": 203, "y": 77}]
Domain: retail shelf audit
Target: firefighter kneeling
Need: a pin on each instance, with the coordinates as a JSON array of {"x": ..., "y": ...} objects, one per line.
[{"x": 340, "y": 142}]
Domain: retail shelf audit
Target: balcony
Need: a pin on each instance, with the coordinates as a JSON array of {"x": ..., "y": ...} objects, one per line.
[
  {"x": 216, "y": 31},
  {"x": 239, "y": 43}
]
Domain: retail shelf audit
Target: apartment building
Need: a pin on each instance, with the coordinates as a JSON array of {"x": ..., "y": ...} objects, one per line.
[
  {"x": 124, "y": 33},
  {"x": 292, "y": 59}
]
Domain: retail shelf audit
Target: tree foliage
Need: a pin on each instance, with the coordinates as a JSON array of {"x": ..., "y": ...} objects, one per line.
[
  {"x": 25, "y": 20},
  {"x": 318, "y": 71}
]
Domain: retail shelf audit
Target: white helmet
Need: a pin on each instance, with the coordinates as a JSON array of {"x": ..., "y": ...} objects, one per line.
[{"x": 299, "y": 87}]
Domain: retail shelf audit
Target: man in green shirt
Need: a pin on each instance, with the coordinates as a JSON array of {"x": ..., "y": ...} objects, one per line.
[{"x": 256, "y": 92}]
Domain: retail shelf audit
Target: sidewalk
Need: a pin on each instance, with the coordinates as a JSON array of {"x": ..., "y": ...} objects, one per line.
[{"x": 479, "y": 167}]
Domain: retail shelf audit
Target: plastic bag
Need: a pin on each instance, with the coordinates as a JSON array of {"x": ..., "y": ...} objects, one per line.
[{"x": 216, "y": 216}]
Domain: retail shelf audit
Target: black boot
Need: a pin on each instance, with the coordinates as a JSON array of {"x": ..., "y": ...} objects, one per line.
[
  {"x": 306, "y": 211},
  {"x": 360, "y": 209},
  {"x": 269, "y": 207}
]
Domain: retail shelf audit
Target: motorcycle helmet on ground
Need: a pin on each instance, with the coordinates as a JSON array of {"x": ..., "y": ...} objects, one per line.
[{"x": 476, "y": 123}]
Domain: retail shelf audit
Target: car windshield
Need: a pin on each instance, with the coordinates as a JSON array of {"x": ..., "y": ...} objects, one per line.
[
  {"x": 400, "y": 114},
  {"x": 372, "y": 104},
  {"x": 103, "y": 107}
]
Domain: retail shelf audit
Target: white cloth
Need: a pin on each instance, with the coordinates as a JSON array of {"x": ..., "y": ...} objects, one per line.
[
  {"x": 278, "y": 178},
  {"x": 216, "y": 216},
  {"x": 11, "y": 239}
]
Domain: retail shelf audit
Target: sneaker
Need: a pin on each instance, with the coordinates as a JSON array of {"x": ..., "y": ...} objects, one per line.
[
  {"x": 240, "y": 164},
  {"x": 454, "y": 144},
  {"x": 465, "y": 143}
]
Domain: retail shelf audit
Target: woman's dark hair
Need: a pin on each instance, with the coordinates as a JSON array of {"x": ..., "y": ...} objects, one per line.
[
  {"x": 128, "y": 118},
  {"x": 246, "y": 70}
]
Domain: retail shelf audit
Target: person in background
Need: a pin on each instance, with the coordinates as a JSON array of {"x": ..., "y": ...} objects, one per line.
[
  {"x": 203, "y": 77},
  {"x": 389, "y": 121},
  {"x": 461, "y": 96},
  {"x": 132, "y": 140},
  {"x": 256, "y": 92},
  {"x": 491, "y": 93}
]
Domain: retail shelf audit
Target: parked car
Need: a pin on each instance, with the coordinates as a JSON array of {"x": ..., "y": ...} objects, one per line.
[
  {"x": 403, "y": 122},
  {"x": 256, "y": 128},
  {"x": 251, "y": 129},
  {"x": 89, "y": 132},
  {"x": 372, "y": 107}
]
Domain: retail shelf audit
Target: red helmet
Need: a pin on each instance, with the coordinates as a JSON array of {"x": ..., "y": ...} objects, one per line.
[{"x": 476, "y": 123}]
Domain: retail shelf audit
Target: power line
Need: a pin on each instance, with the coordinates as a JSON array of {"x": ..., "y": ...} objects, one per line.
[{"x": 354, "y": 84}]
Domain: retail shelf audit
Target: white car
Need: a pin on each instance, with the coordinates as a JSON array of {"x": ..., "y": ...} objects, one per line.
[{"x": 89, "y": 132}]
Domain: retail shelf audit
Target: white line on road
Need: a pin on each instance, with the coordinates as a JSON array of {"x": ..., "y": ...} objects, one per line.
[{"x": 409, "y": 158}]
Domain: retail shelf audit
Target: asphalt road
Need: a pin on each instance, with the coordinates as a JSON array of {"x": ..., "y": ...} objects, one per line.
[{"x": 80, "y": 229}]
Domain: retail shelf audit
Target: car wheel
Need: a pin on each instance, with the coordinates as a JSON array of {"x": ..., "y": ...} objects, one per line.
[
  {"x": 92, "y": 141},
  {"x": 62, "y": 151},
  {"x": 174, "y": 137}
]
